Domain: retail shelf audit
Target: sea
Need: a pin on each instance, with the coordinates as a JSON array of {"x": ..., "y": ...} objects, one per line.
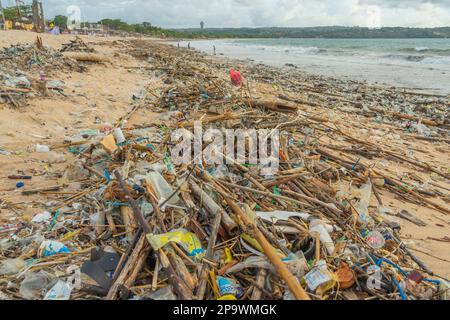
[{"x": 422, "y": 64}]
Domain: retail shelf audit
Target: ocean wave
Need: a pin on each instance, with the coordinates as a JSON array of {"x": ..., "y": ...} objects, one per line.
[
  {"x": 285, "y": 49},
  {"x": 298, "y": 50},
  {"x": 436, "y": 60},
  {"x": 423, "y": 59},
  {"x": 442, "y": 52},
  {"x": 410, "y": 58}
]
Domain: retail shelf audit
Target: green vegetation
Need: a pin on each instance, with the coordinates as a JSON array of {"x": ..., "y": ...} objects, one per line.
[
  {"x": 145, "y": 28},
  {"x": 11, "y": 13},
  {"x": 61, "y": 22}
]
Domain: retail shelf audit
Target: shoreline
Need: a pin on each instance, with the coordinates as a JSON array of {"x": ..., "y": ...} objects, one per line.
[
  {"x": 345, "y": 120},
  {"x": 374, "y": 71}
]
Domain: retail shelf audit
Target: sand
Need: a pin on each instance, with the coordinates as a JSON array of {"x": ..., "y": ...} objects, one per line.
[{"x": 105, "y": 92}]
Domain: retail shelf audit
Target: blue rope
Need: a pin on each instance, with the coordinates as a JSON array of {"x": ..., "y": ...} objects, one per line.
[
  {"x": 402, "y": 294},
  {"x": 403, "y": 272}
]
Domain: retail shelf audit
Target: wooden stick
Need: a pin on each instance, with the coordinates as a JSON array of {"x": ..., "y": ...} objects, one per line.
[
  {"x": 209, "y": 255},
  {"x": 177, "y": 283},
  {"x": 128, "y": 220},
  {"x": 260, "y": 281},
  {"x": 264, "y": 193},
  {"x": 131, "y": 269},
  {"x": 317, "y": 236},
  {"x": 270, "y": 252},
  {"x": 213, "y": 208}
]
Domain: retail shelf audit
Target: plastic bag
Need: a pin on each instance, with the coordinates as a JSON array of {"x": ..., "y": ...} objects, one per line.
[
  {"x": 34, "y": 285},
  {"x": 11, "y": 266},
  {"x": 236, "y": 78},
  {"x": 362, "y": 207},
  {"x": 60, "y": 291},
  {"x": 17, "y": 82},
  {"x": 42, "y": 217},
  {"x": 318, "y": 226},
  {"x": 257, "y": 262}
]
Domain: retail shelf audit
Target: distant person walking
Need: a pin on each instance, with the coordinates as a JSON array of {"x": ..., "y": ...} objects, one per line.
[
  {"x": 189, "y": 45},
  {"x": 214, "y": 47}
]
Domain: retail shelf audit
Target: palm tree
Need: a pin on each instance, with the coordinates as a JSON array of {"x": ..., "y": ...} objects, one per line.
[{"x": 3, "y": 15}]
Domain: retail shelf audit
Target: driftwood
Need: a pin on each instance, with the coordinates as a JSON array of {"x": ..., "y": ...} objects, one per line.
[
  {"x": 136, "y": 265},
  {"x": 87, "y": 57},
  {"x": 132, "y": 268},
  {"x": 128, "y": 220},
  {"x": 405, "y": 116},
  {"x": 278, "y": 106}
]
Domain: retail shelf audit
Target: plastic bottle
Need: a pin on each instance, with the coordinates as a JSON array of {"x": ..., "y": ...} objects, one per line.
[
  {"x": 162, "y": 188},
  {"x": 42, "y": 148},
  {"x": 42, "y": 83},
  {"x": 320, "y": 278},
  {"x": 362, "y": 207},
  {"x": 119, "y": 136},
  {"x": 376, "y": 240}
]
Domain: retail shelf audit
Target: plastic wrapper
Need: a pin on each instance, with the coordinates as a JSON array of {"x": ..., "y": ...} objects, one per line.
[
  {"x": 188, "y": 241},
  {"x": 49, "y": 248},
  {"x": 229, "y": 286},
  {"x": 275, "y": 216},
  {"x": 162, "y": 188},
  {"x": 319, "y": 276}
]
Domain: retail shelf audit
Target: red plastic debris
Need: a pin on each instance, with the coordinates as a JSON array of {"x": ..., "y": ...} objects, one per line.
[{"x": 236, "y": 78}]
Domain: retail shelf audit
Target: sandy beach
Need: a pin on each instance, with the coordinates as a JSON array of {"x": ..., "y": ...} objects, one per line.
[{"x": 108, "y": 91}]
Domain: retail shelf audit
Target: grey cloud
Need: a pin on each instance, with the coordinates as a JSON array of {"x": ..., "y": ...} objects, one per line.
[{"x": 262, "y": 13}]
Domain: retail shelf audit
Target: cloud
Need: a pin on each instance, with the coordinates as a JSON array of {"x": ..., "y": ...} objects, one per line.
[{"x": 263, "y": 13}]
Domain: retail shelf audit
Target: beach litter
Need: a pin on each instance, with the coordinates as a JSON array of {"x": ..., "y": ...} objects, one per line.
[{"x": 141, "y": 226}]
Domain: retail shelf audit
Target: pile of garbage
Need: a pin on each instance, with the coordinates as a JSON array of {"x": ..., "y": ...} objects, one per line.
[
  {"x": 23, "y": 66},
  {"x": 77, "y": 45},
  {"x": 133, "y": 222}
]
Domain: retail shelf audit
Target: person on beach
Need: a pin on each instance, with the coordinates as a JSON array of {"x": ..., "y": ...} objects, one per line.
[
  {"x": 214, "y": 47},
  {"x": 189, "y": 45}
]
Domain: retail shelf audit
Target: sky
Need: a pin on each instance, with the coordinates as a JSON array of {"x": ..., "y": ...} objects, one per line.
[{"x": 258, "y": 13}]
